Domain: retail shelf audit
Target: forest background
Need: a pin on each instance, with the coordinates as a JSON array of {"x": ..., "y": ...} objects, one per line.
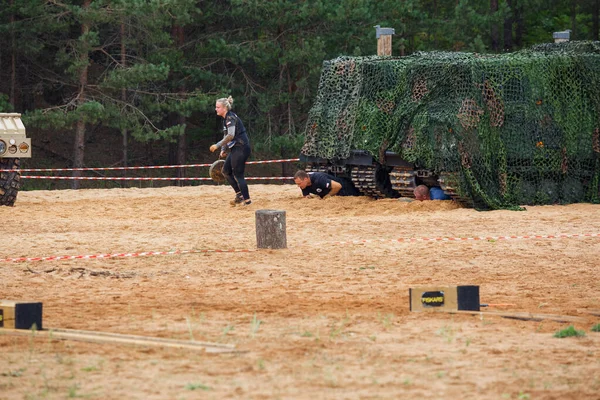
[{"x": 112, "y": 83}]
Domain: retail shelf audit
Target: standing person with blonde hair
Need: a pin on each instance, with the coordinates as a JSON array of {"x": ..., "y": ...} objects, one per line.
[{"x": 236, "y": 146}]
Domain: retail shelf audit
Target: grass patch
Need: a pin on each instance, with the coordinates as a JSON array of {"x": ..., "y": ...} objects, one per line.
[
  {"x": 261, "y": 364},
  {"x": 387, "y": 320},
  {"x": 14, "y": 374},
  {"x": 337, "y": 331},
  {"x": 568, "y": 332},
  {"x": 73, "y": 391},
  {"x": 255, "y": 325},
  {"x": 190, "y": 330},
  {"x": 196, "y": 386},
  {"x": 447, "y": 332},
  {"x": 596, "y": 328},
  {"x": 228, "y": 329}
]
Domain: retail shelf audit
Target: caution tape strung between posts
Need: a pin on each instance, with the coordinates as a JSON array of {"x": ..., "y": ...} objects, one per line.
[
  {"x": 141, "y": 167},
  {"x": 463, "y": 239},
  {"x": 404, "y": 240},
  {"x": 118, "y": 178},
  {"x": 117, "y": 255}
]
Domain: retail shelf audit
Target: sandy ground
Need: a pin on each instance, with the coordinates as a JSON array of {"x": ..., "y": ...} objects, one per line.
[{"x": 326, "y": 318}]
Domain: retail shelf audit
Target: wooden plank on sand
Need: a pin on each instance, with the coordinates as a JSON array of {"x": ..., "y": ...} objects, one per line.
[
  {"x": 525, "y": 316},
  {"x": 116, "y": 338}
]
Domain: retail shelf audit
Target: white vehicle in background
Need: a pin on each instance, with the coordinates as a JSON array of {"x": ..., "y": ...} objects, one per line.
[{"x": 13, "y": 146}]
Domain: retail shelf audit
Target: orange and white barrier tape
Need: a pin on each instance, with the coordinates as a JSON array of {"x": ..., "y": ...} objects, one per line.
[
  {"x": 405, "y": 240},
  {"x": 464, "y": 239},
  {"x": 140, "y": 167},
  {"x": 274, "y": 161},
  {"x": 119, "y": 255},
  {"x": 120, "y": 178}
]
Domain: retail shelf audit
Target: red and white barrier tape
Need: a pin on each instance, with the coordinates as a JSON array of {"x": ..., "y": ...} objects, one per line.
[
  {"x": 110, "y": 168},
  {"x": 118, "y": 178},
  {"x": 117, "y": 255},
  {"x": 140, "y": 167},
  {"x": 464, "y": 239},
  {"x": 407, "y": 240},
  {"x": 273, "y": 161}
]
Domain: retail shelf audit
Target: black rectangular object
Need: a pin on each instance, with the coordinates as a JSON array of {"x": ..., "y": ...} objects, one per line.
[
  {"x": 27, "y": 314},
  {"x": 16, "y": 314},
  {"x": 468, "y": 298}
]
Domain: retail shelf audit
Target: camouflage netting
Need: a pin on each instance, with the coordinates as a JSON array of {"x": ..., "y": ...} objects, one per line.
[{"x": 515, "y": 129}]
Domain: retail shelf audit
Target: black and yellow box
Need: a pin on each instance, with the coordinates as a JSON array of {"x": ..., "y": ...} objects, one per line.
[
  {"x": 444, "y": 298},
  {"x": 20, "y": 315}
]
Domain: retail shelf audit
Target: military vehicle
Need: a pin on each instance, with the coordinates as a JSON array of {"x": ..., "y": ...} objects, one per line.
[
  {"x": 13, "y": 146},
  {"x": 493, "y": 131}
]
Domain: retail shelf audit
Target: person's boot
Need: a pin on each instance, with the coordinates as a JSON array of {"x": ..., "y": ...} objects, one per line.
[{"x": 238, "y": 199}]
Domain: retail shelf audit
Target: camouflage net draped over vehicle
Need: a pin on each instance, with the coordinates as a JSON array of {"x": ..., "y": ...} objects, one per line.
[{"x": 515, "y": 129}]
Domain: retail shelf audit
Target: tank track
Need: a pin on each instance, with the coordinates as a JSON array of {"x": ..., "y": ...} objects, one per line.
[
  {"x": 404, "y": 181},
  {"x": 317, "y": 168},
  {"x": 449, "y": 182},
  {"x": 369, "y": 181}
]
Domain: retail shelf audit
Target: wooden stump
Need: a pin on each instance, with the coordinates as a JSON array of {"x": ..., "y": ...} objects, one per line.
[{"x": 270, "y": 229}]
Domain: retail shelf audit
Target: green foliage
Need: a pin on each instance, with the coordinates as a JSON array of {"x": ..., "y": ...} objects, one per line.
[
  {"x": 596, "y": 328},
  {"x": 281, "y": 146},
  {"x": 135, "y": 76},
  {"x": 569, "y": 332},
  {"x": 266, "y": 54},
  {"x": 196, "y": 386},
  {"x": 4, "y": 103}
]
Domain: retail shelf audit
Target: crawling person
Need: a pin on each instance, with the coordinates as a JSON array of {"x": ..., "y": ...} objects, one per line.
[
  {"x": 422, "y": 192},
  {"x": 323, "y": 185}
]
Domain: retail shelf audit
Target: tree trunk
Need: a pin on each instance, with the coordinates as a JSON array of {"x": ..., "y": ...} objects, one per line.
[
  {"x": 435, "y": 36},
  {"x": 291, "y": 129},
  {"x": 181, "y": 151},
  {"x": 78, "y": 152},
  {"x": 520, "y": 28},
  {"x": 291, "y": 90},
  {"x": 595, "y": 17},
  {"x": 573, "y": 19},
  {"x": 179, "y": 36},
  {"x": 124, "y": 132},
  {"x": 79, "y": 145},
  {"x": 13, "y": 62},
  {"x": 508, "y": 22},
  {"x": 495, "y": 31}
]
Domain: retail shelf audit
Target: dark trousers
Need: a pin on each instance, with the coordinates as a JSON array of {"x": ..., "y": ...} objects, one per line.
[
  {"x": 234, "y": 168},
  {"x": 348, "y": 188}
]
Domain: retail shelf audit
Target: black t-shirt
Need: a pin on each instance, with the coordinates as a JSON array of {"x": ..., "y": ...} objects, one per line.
[
  {"x": 240, "y": 138},
  {"x": 320, "y": 184}
]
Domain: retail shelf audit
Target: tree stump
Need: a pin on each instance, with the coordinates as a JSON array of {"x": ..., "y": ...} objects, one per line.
[{"x": 270, "y": 229}]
